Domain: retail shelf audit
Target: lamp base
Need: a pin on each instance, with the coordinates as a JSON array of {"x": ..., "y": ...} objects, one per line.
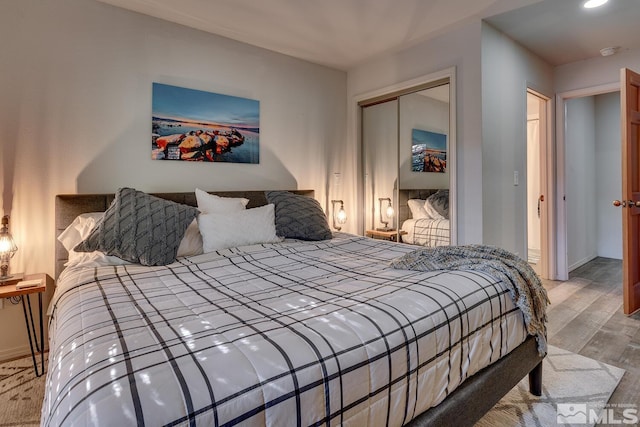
[
  {"x": 385, "y": 229},
  {"x": 11, "y": 279}
]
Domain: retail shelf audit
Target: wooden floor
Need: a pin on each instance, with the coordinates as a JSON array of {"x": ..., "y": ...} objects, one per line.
[{"x": 585, "y": 317}]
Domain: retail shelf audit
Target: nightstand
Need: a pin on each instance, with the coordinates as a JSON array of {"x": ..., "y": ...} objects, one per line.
[
  {"x": 8, "y": 290},
  {"x": 391, "y": 235}
]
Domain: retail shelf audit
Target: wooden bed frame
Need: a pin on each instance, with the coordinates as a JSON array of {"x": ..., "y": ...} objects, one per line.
[{"x": 463, "y": 407}]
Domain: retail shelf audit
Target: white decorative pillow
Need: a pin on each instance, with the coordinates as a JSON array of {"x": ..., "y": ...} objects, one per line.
[
  {"x": 210, "y": 203},
  {"x": 416, "y": 206},
  {"x": 247, "y": 227},
  {"x": 191, "y": 243}
]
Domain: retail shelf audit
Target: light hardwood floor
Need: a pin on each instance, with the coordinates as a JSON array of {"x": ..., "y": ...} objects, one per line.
[{"x": 585, "y": 317}]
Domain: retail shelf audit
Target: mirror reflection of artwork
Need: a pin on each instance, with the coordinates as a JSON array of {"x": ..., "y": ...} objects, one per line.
[
  {"x": 194, "y": 125},
  {"x": 428, "y": 151}
]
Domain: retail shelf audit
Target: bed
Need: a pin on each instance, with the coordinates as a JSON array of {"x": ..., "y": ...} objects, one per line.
[
  {"x": 424, "y": 227},
  {"x": 285, "y": 333}
]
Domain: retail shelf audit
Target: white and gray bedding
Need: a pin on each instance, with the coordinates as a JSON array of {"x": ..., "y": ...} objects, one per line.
[
  {"x": 290, "y": 333},
  {"x": 426, "y": 232}
]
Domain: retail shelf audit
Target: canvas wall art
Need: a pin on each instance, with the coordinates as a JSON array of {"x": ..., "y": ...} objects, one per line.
[
  {"x": 428, "y": 151},
  {"x": 195, "y": 125}
]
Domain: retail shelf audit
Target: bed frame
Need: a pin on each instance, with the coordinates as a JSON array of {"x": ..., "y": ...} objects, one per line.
[{"x": 463, "y": 407}]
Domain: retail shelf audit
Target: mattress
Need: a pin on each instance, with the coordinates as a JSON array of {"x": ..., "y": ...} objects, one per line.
[
  {"x": 426, "y": 232},
  {"x": 291, "y": 333}
]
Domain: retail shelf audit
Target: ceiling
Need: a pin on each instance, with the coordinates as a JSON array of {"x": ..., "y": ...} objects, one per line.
[
  {"x": 344, "y": 33},
  {"x": 562, "y": 31}
]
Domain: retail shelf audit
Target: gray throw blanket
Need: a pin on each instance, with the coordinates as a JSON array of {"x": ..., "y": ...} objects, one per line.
[{"x": 524, "y": 284}]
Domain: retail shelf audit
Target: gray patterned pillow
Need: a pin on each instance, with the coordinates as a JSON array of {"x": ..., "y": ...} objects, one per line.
[
  {"x": 140, "y": 228},
  {"x": 298, "y": 217},
  {"x": 439, "y": 201}
]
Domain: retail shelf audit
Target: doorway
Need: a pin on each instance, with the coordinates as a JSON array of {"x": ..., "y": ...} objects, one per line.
[
  {"x": 589, "y": 226},
  {"x": 537, "y": 180}
]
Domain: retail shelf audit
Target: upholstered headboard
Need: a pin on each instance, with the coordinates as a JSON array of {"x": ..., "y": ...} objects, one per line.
[{"x": 69, "y": 206}]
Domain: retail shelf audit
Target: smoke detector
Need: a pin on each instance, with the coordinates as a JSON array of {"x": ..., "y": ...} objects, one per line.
[{"x": 608, "y": 51}]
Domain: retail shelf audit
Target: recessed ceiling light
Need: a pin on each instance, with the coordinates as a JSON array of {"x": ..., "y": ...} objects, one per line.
[{"x": 590, "y": 4}]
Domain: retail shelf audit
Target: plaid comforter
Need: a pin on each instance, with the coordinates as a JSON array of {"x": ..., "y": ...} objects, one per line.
[
  {"x": 427, "y": 232},
  {"x": 293, "y": 333}
]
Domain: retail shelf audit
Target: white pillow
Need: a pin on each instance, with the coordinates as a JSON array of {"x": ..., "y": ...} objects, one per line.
[
  {"x": 191, "y": 243},
  {"x": 75, "y": 233},
  {"x": 247, "y": 227},
  {"x": 416, "y": 206},
  {"x": 210, "y": 203},
  {"x": 93, "y": 259},
  {"x": 79, "y": 229}
]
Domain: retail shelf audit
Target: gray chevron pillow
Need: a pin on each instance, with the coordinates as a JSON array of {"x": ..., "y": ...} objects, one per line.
[
  {"x": 439, "y": 201},
  {"x": 140, "y": 228},
  {"x": 298, "y": 217}
]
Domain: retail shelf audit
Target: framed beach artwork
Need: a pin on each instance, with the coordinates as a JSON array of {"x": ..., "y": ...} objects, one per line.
[
  {"x": 195, "y": 125},
  {"x": 428, "y": 151}
]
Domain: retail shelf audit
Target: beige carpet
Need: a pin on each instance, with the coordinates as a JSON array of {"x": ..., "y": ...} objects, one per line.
[
  {"x": 569, "y": 380},
  {"x": 21, "y": 393}
]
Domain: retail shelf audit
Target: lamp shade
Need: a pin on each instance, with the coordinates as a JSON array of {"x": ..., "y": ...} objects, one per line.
[
  {"x": 7, "y": 247},
  {"x": 390, "y": 211},
  {"x": 339, "y": 216}
]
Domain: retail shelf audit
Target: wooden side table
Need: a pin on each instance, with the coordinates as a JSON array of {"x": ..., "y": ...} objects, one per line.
[
  {"x": 391, "y": 235},
  {"x": 8, "y": 290}
]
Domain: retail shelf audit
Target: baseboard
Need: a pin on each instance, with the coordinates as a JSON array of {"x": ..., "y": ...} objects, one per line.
[
  {"x": 582, "y": 262},
  {"x": 15, "y": 353}
]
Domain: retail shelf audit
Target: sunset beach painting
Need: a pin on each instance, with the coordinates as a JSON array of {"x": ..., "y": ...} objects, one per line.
[
  {"x": 428, "y": 151},
  {"x": 194, "y": 125}
]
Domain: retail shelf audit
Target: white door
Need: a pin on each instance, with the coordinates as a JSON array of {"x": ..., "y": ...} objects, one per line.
[{"x": 537, "y": 212}]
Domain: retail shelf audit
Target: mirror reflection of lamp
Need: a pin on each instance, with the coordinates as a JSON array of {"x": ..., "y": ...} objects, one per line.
[
  {"x": 339, "y": 217},
  {"x": 389, "y": 214},
  {"x": 7, "y": 248}
]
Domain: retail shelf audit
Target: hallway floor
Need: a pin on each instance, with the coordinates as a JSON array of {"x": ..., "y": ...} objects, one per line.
[{"x": 586, "y": 317}]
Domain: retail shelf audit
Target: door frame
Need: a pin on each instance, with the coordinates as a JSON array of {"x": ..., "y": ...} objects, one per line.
[
  {"x": 561, "y": 267},
  {"x": 547, "y": 246}
]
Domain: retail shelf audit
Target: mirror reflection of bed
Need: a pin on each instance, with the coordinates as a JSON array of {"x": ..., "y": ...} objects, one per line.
[{"x": 423, "y": 217}]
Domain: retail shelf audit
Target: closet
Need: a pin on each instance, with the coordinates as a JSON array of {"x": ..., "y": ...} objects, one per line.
[{"x": 407, "y": 139}]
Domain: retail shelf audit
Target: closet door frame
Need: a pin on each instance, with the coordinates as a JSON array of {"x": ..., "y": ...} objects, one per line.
[{"x": 396, "y": 90}]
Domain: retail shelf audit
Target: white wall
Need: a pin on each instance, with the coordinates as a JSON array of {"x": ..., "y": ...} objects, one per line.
[
  {"x": 595, "y": 71},
  {"x": 580, "y": 167},
  {"x": 459, "y": 48},
  {"x": 608, "y": 155},
  {"x": 507, "y": 70},
  {"x": 75, "y": 115}
]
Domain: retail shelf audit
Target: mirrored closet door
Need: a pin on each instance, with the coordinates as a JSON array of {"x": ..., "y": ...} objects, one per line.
[{"x": 408, "y": 155}]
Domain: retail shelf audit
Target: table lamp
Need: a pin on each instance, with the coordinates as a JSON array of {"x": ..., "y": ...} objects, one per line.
[{"x": 389, "y": 211}]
